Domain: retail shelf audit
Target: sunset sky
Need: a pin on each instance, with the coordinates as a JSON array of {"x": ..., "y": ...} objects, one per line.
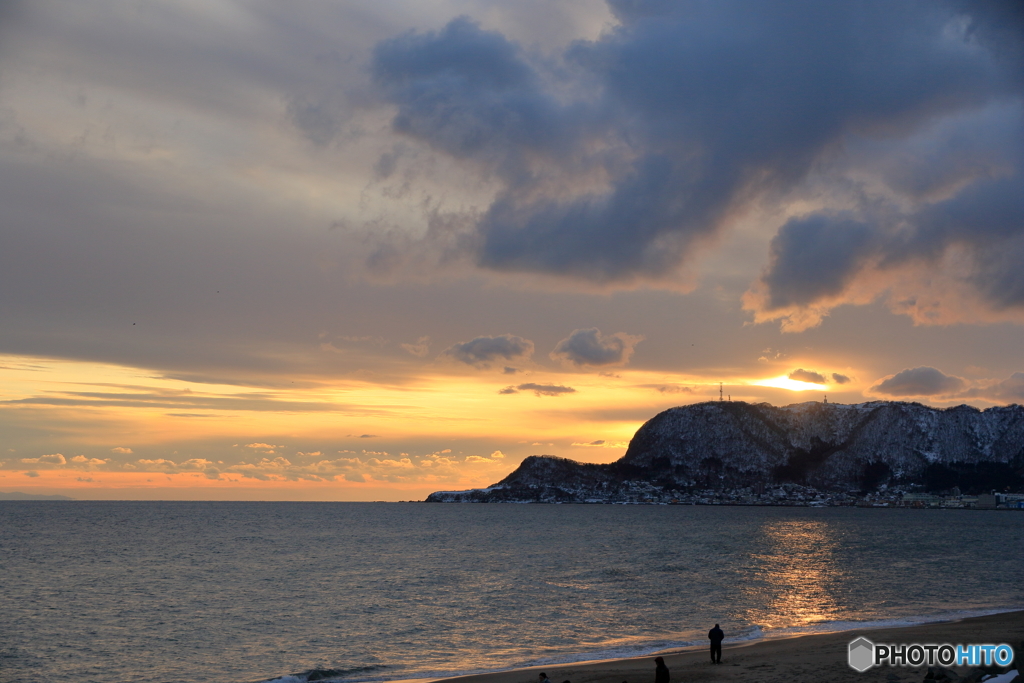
[{"x": 317, "y": 250}]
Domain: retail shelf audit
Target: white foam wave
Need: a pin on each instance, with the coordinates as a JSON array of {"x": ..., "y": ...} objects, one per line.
[{"x": 900, "y": 622}]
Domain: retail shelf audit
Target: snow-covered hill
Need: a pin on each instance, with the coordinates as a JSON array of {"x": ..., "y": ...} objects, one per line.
[{"x": 826, "y": 446}]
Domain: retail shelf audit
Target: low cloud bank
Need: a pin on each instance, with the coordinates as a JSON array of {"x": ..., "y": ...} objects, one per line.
[
  {"x": 802, "y": 375},
  {"x": 483, "y": 351},
  {"x": 932, "y": 383},
  {"x": 539, "y": 389},
  {"x": 591, "y": 348}
]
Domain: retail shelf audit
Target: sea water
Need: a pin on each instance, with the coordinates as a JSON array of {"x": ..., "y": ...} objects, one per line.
[{"x": 112, "y": 592}]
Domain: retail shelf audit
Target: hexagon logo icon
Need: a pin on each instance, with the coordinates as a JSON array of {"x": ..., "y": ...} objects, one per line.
[{"x": 862, "y": 654}]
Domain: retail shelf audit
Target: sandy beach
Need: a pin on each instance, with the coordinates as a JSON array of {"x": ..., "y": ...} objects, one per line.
[{"x": 806, "y": 658}]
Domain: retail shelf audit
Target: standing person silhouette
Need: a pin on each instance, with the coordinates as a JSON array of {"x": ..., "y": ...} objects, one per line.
[
  {"x": 660, "y": 671},
  {"x": 543, "y": 678},
  {"x": 716, "y": 636}
]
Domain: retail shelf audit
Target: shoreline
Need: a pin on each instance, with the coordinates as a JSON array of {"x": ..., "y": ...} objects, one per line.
[{"x": 797, "y": 657}]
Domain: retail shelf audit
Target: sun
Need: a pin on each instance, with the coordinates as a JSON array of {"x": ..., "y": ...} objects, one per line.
[{"x": 784, "y": 382}]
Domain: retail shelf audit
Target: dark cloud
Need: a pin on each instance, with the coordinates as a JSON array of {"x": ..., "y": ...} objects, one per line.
[
  {"x": 689, "y": 111},
  {"x": 930, "y": 382},
  {"x": 815, "y": 256},
  {"x": 989, "y": 217},
  {"x": 539, "y": 389},
  {"x": 964, "y": 182},
  {"x": 840, "y": 379},
  {"x": 11, "y": 20},
  {"x": 921, "y": 381},
  {"x": 1010, "y": 389},
  {"x": 509, "y": 370},
  {"x": 590, "y": 347},
  {"x": 999, "y": 25},
  {"x": 668, "y": 388},
  {"x": 633, "y": 230},
  {"x": 802, "y": 375},
  {"x": 468, "y": 92},
  {"x": 482, "y": 351},
  {"x": 317, "y": 120}
]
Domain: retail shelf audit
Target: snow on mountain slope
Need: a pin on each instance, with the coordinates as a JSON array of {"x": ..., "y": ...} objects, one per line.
[{"x": 826, "y": 446}]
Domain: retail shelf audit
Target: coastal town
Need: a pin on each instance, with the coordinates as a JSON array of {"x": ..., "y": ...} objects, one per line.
[{"x": 785, "y": 495}]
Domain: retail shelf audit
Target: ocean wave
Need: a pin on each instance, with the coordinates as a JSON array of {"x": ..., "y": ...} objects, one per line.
[
  {"x": 322, "y": 675},
  {"x": 899, "y": 622}
]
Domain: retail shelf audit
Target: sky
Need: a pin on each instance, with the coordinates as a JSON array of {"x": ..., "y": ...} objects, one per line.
[{"x": 328, "y": 250}]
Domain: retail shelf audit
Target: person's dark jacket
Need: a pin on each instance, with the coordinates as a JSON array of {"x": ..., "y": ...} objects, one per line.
[
  {"x": 661, "y": 673},
  {"x": 716, "y": 635}
]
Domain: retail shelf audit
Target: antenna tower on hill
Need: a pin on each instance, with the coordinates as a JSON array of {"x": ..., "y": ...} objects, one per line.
[{"x": 720, "y": 392}]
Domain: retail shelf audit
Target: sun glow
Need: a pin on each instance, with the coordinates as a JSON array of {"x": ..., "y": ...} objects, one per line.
[
  {"x": 783, "y": 382},
  {"x": 136, "y": 432}
]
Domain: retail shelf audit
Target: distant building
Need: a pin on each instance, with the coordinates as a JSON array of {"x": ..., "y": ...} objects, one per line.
[
  {"x": 921, "y": 500},
  {"x": 1010, "y": 500},
  {"x": 987, "y": 501}
]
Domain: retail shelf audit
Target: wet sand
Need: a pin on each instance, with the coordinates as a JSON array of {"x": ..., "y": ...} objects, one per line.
[{"x": 815, "y": 658}]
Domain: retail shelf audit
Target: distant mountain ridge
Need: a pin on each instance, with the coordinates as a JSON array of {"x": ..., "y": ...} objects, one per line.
[
  {"x": 18, "y": 495},
  {"x": 825, "y": 446}
]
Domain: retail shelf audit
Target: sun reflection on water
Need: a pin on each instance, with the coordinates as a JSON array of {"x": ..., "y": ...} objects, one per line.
[{"x": 797, "y": 578}]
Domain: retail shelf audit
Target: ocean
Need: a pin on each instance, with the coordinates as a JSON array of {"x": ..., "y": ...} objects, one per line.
[{"x": 112, "y": 592}]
